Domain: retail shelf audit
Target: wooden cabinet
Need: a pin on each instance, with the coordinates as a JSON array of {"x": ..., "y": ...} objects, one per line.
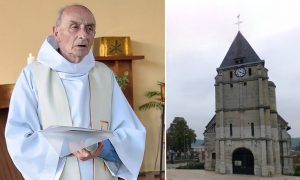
[
  {"x": 8, "y": 171},
  {"x": 121, "y": 64}
]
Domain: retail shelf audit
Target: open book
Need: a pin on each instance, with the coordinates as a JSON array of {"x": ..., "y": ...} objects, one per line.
[{"x": 66, "y": 140}]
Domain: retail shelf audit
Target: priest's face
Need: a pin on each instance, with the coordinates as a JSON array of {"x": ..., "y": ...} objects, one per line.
[{"x": 74, "y": 33}]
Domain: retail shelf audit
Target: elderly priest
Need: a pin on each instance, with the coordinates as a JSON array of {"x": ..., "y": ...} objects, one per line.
[{"x": 66, "y": 87}]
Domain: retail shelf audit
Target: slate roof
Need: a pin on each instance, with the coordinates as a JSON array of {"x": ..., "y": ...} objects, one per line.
[
  {"x": 211, "y": 123},
  {"x": 240, "y": 52},
  {"x": 283, "y": 123}
]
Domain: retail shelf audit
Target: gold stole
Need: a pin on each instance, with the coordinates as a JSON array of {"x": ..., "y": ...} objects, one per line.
[{"x": 54, "y": 109}]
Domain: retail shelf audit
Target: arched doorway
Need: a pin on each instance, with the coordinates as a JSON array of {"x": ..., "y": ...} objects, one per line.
[{"x": 242, "y": 161}]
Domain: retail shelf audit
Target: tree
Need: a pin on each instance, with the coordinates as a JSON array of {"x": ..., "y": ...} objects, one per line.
[{"x": 180, "y": 136}]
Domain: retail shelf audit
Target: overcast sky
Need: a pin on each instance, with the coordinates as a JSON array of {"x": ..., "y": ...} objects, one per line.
[{"x": 199, "y": 34}]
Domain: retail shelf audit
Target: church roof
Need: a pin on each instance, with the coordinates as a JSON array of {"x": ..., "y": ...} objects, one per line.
[
  {"x": 240, "y": 52},
  {"x": 211, "y": 122},
  {"x": 283, "y": 123}
]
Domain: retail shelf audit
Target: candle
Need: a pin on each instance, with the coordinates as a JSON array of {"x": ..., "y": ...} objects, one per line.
[{"x": 30, "y": 58}]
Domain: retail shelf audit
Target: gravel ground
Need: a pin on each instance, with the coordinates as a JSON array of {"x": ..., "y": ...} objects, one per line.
[{"x": 178, "y": 174}]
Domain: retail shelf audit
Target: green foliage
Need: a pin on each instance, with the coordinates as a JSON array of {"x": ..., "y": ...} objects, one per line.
[
  {"x": 122, "y": 80},
  {"x": 151, "y": 94},
  {"x": 192, "y": 165},
  {"x": 150, "y": 105},
  {"x": 155, "y": 100},
  {"x": 180, "y": 136},
  {"x": 297, "y": 170}
]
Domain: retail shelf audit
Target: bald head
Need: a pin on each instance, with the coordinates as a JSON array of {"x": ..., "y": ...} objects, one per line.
[{"x": 68, "y": 8}]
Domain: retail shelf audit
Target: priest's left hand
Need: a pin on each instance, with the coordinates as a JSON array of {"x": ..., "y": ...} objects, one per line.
[{"x": 84, "y": 154}]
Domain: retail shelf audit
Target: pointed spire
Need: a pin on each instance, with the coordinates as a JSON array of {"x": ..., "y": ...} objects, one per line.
[{"x": 240, "y": 52}]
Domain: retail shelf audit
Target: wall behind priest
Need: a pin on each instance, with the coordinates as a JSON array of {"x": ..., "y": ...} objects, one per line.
[{"x": 25, "y": 24}]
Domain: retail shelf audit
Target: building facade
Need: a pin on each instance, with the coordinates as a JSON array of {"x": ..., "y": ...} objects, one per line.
[
  {"x": 246, "y": 135},
  {"x": 198, "y": 150}
]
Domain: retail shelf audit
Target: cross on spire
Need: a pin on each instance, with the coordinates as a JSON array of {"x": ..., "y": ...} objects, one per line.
[{"x": 238, "y": 22}]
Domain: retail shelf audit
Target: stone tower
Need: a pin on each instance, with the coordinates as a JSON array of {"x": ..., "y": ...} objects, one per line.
[{"x": 246, "y": 135}]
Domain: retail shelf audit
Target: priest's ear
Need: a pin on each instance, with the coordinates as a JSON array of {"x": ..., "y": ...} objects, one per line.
[{"x": 55, "y": 32}]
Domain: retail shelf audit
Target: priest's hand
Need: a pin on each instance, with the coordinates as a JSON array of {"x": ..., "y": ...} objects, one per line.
[{"x": 84, "y": 154}]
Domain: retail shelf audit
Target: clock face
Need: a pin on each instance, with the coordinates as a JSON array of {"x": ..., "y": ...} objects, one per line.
[{"x": 240, "y": 72}]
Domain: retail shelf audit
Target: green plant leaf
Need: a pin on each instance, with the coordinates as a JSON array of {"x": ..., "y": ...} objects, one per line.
[
  {"x": 150, "y": 94},
  {"x": 150, "y": 105},
  {"x": 155, "y": 100}
]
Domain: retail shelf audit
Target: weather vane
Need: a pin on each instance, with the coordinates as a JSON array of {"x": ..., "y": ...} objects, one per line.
[{"x": 238, "y": 22}]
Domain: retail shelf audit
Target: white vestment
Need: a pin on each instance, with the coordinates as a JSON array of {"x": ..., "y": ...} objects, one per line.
[{"x": 29, "y": 150}]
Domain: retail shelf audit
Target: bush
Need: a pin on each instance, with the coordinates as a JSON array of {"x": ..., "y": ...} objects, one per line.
[
  {"x": 297, "y": 170},
  {"x": 192, "y": 165}
]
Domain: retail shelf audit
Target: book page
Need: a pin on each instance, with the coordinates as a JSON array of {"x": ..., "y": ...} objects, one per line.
[{"x": 66, "y": 140}]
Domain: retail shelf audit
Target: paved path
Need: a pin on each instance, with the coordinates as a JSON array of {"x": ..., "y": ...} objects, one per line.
[{"x": 178, "y": 174}]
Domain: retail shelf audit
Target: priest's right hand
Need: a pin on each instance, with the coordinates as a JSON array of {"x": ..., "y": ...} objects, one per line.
[{"x": 84, "y": 154}]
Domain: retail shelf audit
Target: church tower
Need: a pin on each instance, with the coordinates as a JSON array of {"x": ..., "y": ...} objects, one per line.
[{"x": 246, "y": 135}]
